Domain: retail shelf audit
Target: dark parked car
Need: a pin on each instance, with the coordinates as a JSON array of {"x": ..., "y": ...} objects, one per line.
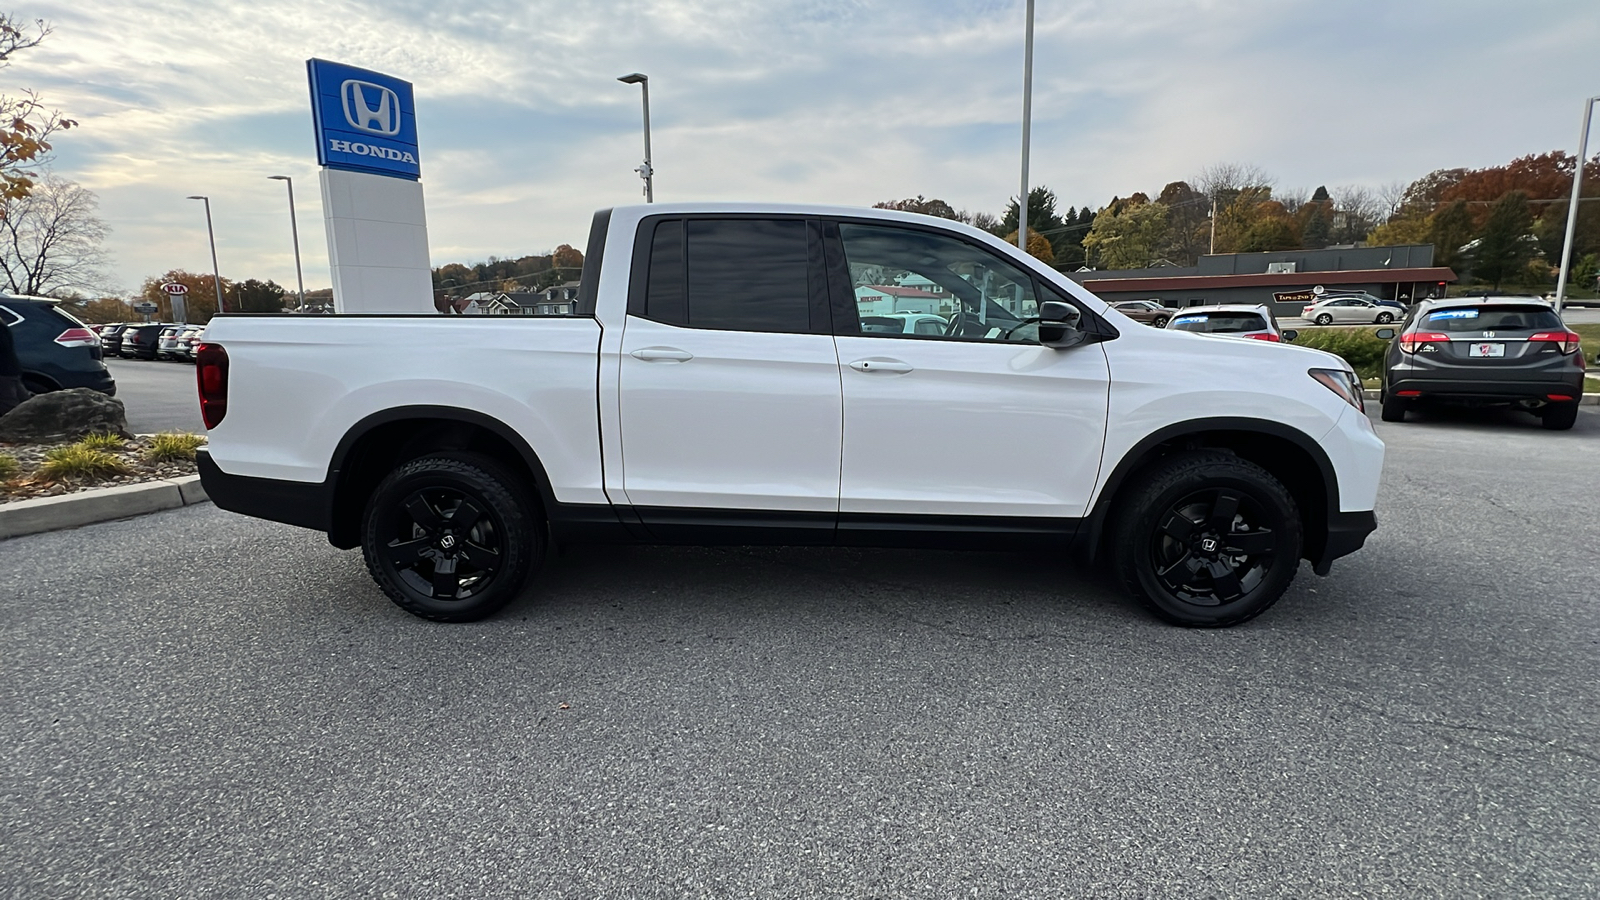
[
  {"x": 1147, "y": 311},
  {"x": 142, "y": 341},
  {"x": 1485, "y": 351},
  {"x": 111, "y": 338},
  {"x": 56, "y": 350}
]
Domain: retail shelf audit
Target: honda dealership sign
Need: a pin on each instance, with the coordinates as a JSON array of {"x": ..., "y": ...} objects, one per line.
[
  {"x": 365, "y": 121},
  {"x": 366, "y": 131}
]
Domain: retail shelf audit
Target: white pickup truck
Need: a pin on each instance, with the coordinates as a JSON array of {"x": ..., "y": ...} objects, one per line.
[{"x": 715, "y": 386}]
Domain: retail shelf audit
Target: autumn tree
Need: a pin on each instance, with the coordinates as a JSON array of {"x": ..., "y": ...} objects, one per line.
[
  {"x": 1038, "y": 247},
  {"x": 51, "y": 239},
  {"x": 200, "y": 303},
  {"x": 924, "y": 206},
  {"x": 26, "y": 124},
  {"x": 1188, "y": 223},
  {"x": 567, "y": 257},
  {"x": 1042, "y": 219}
]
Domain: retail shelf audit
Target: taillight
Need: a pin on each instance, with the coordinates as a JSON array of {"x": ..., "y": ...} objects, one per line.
[
  {"x": 1565, "y": 341},
  {"x": 1265, "y": 336},
  {"x": 1410, "y": 343},
  {"x": 78, "y": 337},
  {"x": 211, "y": 375}
]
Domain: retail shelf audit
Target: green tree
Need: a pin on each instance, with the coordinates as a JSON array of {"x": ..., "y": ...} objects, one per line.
[
  {"x": 1129, "y": 237},
  {"x": 1448, "y": 230},
  {"x": 1270, "y": 233},
  {"x": 1042, "y": 219},
  {"x": 251, "y": 295},
  {"x": 1504, "y": 249}
]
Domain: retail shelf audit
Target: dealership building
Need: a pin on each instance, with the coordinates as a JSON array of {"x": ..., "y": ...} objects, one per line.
[{"x": 1284, "y": 280}]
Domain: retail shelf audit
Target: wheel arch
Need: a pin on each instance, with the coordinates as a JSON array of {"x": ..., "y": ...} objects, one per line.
[
  {"x": 1289, "y": 454},
  {"x": 372, "y": 447}
]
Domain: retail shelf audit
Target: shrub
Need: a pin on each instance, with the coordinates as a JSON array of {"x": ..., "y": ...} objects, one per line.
[
  {"x": 107, "y": 441},
  {"x": 77, "y": 463},
  {"x": 9, "y": 467},
  {"x": 172, "y": 446},
  {"x": 1359, "y": 347}
]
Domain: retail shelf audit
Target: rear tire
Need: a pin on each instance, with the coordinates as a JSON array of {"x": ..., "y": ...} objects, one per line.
[
  {"x": 1394, "y": 409},
  {"x": 1207, "y": 540},
  {"x": 452, "y": 537},
  {"x": 1324, "y": 319},
  {"x": 1559, "y": 416},
  {"x": 1159, "y": 322}
]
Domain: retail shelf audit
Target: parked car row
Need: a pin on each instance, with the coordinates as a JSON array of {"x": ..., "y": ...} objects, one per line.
[{"x": 149, "y": 340}]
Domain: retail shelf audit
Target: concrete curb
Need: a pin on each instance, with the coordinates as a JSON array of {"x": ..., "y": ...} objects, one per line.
[
  {"x": 89, "y": 507},
  {"x": 1587, "y": 400}
]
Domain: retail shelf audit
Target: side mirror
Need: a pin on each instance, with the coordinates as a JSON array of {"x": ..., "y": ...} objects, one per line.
[
  {"x": 1289, "y": 334},
  {"x": 1058, "y": 325},
  {"x": 1385, "y": 334}
]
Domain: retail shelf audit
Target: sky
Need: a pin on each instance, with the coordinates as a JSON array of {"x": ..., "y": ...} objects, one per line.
[{"x": 524, "y": 130}]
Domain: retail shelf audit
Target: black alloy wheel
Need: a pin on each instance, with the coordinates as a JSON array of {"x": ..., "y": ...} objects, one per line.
[
  {"x": 449, "y": 537},
  {"x": 1208, "y": 539}
]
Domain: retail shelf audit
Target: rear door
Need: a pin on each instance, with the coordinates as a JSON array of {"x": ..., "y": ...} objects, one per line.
[{"x": 729, "y": 382}]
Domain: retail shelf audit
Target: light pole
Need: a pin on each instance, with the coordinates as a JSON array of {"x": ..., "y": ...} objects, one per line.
[
  {"x": 294, "y": 229},
  {"x": 216, "y": 275},
  {"x": 645, "y": 171},
  {"x": 1027, "y": 123},
  {"x": 1572, "y": 208}
]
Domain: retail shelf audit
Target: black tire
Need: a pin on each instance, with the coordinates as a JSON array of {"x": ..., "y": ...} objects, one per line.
[
  {"x": 1324, "y": 319},
  {"x": 1559, "y": 416},
  {"x": 1159, "y": 322},
  {"x": 1385, "y": 318},
  {"x": 1181, "y": 516},
  {"x": 412, "y": 524},
  {"x": 1394, "y": 409},
  {"x": 38, "y": 384}
]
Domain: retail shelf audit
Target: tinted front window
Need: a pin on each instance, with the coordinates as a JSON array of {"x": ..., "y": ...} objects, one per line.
[
  {"x": 1490, "y": 318},
  {"x": 1219, "y": 323}
]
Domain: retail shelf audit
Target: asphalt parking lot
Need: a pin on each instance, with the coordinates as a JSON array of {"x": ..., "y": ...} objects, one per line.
[
  {"x": 158, "y": 395},
  {"x": 199, "y": 704}
]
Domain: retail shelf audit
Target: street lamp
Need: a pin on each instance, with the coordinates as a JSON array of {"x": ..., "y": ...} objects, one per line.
[
  {"x": 216, "y": 275},
  {"x": 1572, "y": 208},
  {"x": 645, "y": 171},
  {"x": 1027, "y": 122},
  {"x": 294, "y": 229}
]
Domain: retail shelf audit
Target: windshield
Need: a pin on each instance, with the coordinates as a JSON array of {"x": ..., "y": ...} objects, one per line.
[
  {"x": 1219, "y": 322},
  {"x": 1491, "y": 318}
]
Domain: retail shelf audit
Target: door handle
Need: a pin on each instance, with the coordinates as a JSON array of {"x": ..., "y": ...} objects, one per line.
[
  {"x": 667, "y": 354},
  {"x": 881, "y": 365}
]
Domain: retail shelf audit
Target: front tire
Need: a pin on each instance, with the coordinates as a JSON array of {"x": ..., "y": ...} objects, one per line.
[
  {"x": 1159, "y": 322},
  {"x": 1385, "y": 318},
  {"x": 1324, "y": 319},
  {"x": 451, "y": 537},
  {"x": 1207, "y": 540}
]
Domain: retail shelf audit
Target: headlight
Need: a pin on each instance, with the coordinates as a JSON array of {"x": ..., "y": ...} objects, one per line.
[{"x": 1344, "y": 383}]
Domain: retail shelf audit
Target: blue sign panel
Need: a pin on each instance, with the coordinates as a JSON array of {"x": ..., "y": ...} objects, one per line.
[{"x": 365, "y": 122}]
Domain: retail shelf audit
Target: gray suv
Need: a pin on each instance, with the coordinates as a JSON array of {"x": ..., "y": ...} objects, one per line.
[{"x": 1485, "y": 351}]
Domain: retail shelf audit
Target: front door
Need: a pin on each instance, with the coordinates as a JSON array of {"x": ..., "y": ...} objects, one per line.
[
  {"x": 729, "y": 382},
  {"x": 976, "y": 423}
]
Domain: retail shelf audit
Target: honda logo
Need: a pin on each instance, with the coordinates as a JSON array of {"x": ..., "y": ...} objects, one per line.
[{"x": 359, "y": 97}]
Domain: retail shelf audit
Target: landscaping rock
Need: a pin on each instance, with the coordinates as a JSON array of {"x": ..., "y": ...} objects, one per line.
[{"x": 64, "y": 416}]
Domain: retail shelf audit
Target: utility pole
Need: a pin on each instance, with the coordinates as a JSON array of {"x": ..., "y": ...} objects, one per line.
[
  {"x": 1572, "y": 208},
  {"x": 1027, "y": 123}
]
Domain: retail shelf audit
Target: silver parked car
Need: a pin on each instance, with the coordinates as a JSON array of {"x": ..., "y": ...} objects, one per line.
[
  {"x": 1244, "y": 320},
  {"x": 1347, "y": 311}
]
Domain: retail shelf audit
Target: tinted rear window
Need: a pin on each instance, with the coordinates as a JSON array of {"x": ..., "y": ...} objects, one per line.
[
  {"x": 1219, "y": 323},
  {"x": 1490, "y": 318}
]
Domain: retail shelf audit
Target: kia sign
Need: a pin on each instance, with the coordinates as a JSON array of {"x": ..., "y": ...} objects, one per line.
[
  {"x": 174, "y": 289},
  {"x": 364, "y": 121}
]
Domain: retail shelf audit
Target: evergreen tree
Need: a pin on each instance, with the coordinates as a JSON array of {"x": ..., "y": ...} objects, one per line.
[
  {"x": 1448, "y": 230},
  {"x": 1503, "y": 249}
]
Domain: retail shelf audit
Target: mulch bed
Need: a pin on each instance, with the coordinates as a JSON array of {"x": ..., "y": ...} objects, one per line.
[{"x": 26, "y": 485}]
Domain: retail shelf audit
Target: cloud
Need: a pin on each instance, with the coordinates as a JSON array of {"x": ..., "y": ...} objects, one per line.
[{"x": 524, "y": 130}]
